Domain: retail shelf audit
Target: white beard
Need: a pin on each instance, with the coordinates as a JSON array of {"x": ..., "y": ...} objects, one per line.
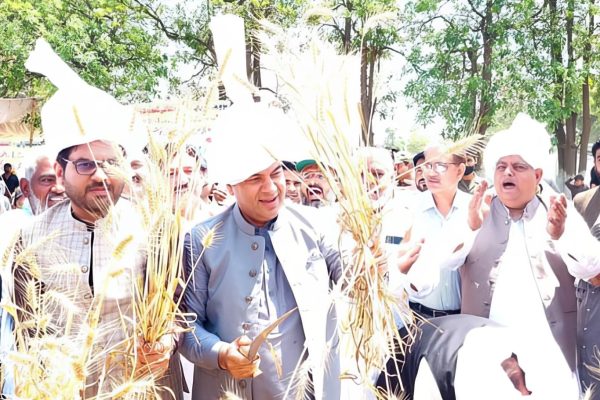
[{"x": 36, "y": 205}]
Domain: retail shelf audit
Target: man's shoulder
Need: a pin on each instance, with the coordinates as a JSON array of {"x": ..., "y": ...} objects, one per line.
[
  {"x": 582, "y": 199},
  {"x": 53, "y": 214},
  {"x": 211, "y": 222}
]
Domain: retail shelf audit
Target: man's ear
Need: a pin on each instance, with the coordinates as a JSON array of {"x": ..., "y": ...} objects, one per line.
[
  {"x": 230, "y": 189},
  {"x": 59, "y": 170},
  {"x": 538, "y": 174},
  {"x": 461, "y": 169},
  {"x": 25, "y": 188}
]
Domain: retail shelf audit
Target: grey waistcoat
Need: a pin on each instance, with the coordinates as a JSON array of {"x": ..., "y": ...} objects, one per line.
[{"x": 480, "y": 271}]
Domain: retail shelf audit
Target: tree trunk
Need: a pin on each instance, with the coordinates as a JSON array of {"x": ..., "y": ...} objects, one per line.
[
  {"x": 586, "y": 126},
  {"x": 472, "y": 55},
  {"x": 571, "y": 153},
  {"x": 556, "y": 59},
  {"x": 485, "y": 107},
  {"x": 347, "y": 39},
  {"x": 571, "y": 123}
]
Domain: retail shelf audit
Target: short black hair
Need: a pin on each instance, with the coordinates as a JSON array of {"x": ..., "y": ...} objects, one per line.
[
  {"x": 417, "y": 157},
  {"x": 7, "y": 165},
  {"x": 63, "y": 155},
  {"x": 595, "y": 148},
  {"x": 289, "y": 165}
]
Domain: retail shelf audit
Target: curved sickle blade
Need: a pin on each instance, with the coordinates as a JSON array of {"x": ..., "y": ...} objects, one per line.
[{"x": 262, "y": 336}]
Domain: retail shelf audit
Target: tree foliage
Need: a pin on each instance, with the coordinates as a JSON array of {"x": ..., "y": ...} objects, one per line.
[
  {"x": 186, "y": 24},
  {"x": 369, "y": 28},
  {"x": 105, "y": 41},
  {"x": 478, "y": 62}
]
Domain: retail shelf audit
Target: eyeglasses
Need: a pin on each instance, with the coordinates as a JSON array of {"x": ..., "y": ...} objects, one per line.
[
  {"x": 438, "y": 167},
  {"x": 89, "y": 167}
]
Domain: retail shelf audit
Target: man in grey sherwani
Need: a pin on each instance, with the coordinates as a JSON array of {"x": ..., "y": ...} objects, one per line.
[{"x": 268, "y": 258}]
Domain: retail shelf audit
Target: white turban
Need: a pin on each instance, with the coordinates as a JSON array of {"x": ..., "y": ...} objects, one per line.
[
  {"x": 246, "y": 140},
  {"x": 77, "y": 113},
  {"x": 526, "y": 137}
]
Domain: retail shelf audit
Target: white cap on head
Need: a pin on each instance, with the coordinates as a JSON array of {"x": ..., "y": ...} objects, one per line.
[
  {"x": 72, "y": 118},
  {"x": 526, "y": 137},
  {"x": 378, "y": 155},
  {"x": 247, "y": 139},
  {"x": 77, "y": 113}
]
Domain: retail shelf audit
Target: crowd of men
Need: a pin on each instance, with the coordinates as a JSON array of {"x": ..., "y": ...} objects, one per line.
[{"x": 503, "y": 272}]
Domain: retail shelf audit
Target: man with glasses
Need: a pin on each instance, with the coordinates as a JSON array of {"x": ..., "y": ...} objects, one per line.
[
  {"x": 527, "y": 241},
  {"x": 440, "y": 216},
  {"x": 75, "y": 243}
]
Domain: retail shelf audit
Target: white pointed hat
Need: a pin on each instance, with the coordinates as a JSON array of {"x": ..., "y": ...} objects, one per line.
[{"x": 77, "y": 113}]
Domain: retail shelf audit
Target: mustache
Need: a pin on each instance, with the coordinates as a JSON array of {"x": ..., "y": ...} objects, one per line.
[{"x": 104, "y": 186}]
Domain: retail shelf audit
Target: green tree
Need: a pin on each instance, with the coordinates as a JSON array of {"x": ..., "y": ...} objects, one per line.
[
  {"x": 106, "y": 42},
  {"x": 370, "y": 28},
  {"x": 559, "y": 43},
  {"x": 454, "y": 60},
  {"x": 478, "y": 63},
  {"x": 186, "y": 23}
]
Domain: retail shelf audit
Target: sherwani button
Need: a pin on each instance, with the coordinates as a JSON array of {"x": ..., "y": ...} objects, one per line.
[
  {"x": 252, "y": 273},
  {"x": 585, "y": 328},
  {"x": 86, "y": 241},
  {"x": 254, "y": 246},
  {"x": 248, "y": 299},
  {"x": 246, "y": 326},
  {"x": 243, "y": 384},
  {"x": 587, "y": 309},
  {"x": 84, "y": 269}
]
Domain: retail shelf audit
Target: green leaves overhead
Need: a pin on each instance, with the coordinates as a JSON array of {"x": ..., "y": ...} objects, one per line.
[{"x": 105, "y": 41}]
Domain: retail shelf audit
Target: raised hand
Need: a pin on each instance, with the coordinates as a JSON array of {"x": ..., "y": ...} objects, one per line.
[
  {"x": 408, "y": 255},
  {"x": 479, "y": 206},
  {"x": 557, "y": 216}
]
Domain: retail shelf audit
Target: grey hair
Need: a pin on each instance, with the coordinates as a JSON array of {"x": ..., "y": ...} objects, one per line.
[{"x": 30, "y": 164}]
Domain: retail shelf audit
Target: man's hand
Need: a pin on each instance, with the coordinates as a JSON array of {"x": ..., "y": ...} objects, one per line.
[
  {"x": 595, "y": 280},
  {"x": 219, "y": 196},
  {"x": 408, "y": 255},
  {"x": 153, "y": 358},
  {"x": 557, "y": 215},
  {"x": 232, "y": 358},
  {"x": 479, "y": 206}
]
